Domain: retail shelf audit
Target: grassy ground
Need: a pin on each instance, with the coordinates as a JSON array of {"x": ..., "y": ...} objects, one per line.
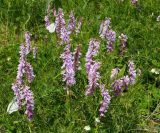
[{"x": 136, "y": 110}]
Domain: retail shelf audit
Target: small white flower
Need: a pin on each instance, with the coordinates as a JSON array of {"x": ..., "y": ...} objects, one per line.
[
  {"x": 156, "y": 71},
  {"x": 51, "y": 27},
  {"x": 152, "y": 14},
  {"x": 97, "y": 120},
  {"x": 158, "y": 18},
  {"x": 8, "y": 58},
  {"x": 87, "y": 128}
]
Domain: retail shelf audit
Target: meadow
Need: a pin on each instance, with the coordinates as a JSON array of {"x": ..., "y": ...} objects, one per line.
[{"x": 135, "y": 110}]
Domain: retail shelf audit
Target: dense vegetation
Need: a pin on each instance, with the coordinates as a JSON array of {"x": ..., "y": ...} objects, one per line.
[{"x": 135, "y": 110}]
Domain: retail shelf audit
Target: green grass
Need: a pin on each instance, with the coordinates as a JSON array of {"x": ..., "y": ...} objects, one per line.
[{"x": 136, "y": 110}]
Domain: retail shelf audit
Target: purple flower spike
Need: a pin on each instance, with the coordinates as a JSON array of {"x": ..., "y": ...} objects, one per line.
[
  {"x": 104, "y": 27},
  {"x": 28, "y": 95},
  {"x": 117, "y": 86},
  {"x": 47, "y": 22},
  {"x": 65, "y": 36},
  {"x": 60, "y": 22},
  {"x": 72, "y": 22},
  {"x": 106, "y": 101},
  {"x": 54, "y": 12},
  {"x": 28, "y": 42},
  {"x": 68, "y": 67},
  {"x": 21, "y": 91},
  {"x": 20, "y": 71},
  {"x": 123, "y": 40},
  {"x": 93, "y": 77},
  {"x": 22, "y": 52},
  {"x": 77, "y": 55},
  {"x": 132, "y": 72},
  {"x": 29, "y": 72},
  {"x": 134, "y": 2},
  {"x": 17, "y": 93},
  {"x": 126, "y": 81},
  {"x": 78, "y": 28},
  {"x": 92, "y": 51},
  {"x": 111, "y": 37},
  {"x": 22, "y": 62}
]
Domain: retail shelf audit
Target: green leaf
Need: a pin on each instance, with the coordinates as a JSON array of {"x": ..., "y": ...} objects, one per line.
[
  {"x": 122, "y": 71},
  {"x": 154, "y": 62}
]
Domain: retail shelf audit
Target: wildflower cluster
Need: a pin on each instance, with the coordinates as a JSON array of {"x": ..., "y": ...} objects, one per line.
[
  {"x": 70, "y": 60},
  {"x": 68, "y": 67},
  {"x": 77, "y": 55},
  {"x": 92, "y": 66},
  {"x": 107, "y": 33},
  {"x": 132, "y": 72},
  {"x": 93, "y": 75},
  {"x": 63, "y": 31},
  {"x": 47, "y": 22},
  {"x": 22, "y": 92},
  {"x": 106, "y": 100},
  {"x": 72, "y": 22},
  {"x": 70, "y": 64},
  {"x": 123, "y": 42},
  {"x": 94, "y": 46},
  {"x": 119, "y": 84}
]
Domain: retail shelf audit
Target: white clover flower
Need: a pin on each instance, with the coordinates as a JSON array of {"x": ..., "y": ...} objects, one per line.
[{"x": 87, "y": 128}]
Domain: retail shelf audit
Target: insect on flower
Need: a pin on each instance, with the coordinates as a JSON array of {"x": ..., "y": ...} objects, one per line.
[{"x": 51, "y": 28}]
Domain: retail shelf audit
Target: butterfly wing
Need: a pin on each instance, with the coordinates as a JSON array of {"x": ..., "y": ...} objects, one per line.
[
  {"x": 13, "y": 106},
  {"x": 51, "y": 28}
]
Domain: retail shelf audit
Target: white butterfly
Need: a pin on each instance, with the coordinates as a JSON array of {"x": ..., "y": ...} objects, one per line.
[
  {"x": 51, "y": 27},
  {"x": 13, "y": 106}
]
